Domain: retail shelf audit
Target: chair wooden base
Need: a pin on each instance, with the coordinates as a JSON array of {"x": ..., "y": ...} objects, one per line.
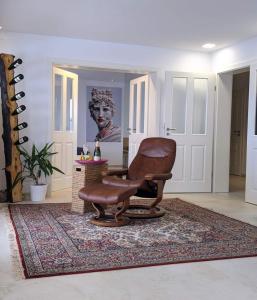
[
  {"x": 110, "y": 221},
  {"x": 144, "y": 212}
]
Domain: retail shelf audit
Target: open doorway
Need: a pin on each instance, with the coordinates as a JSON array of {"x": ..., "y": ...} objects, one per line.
[
  {"x": 115, "y": 87},
  {"x": 238, "y": 134}
]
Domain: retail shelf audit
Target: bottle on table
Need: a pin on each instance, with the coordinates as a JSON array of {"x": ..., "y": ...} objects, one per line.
[
  {"x": 82, "y": 157},
  {"x": 85, "y": 149},
  {"x": 97, "y": 151},
  {"x": 87, "y": 153}
]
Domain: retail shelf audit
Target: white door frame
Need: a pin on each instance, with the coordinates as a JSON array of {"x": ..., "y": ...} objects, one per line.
[
  {"x": 136, "y": 135},
  {"x": 60, "y": 137},
  {"x": 155, "y": 76},
  {"x": 222, "y": 109},
  {"x": 222, "y": 127}
]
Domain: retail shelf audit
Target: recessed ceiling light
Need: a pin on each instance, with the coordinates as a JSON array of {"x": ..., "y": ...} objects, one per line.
[
  {"x": 208, "y": 46},
  {"x": 1, "y": 27}
]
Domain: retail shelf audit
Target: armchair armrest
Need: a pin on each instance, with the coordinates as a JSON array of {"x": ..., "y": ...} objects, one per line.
[
  {"x": 118, "y": 172},
  {"x": 164, "y": 176}
]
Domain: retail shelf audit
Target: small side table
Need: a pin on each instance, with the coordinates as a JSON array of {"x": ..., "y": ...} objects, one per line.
[{"x": 84, "y": 175}]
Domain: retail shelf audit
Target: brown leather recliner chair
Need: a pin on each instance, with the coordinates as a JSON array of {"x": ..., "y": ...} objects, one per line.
[
  {"x": 145, "y": 178},
  {"x": 148, "y": 173}
]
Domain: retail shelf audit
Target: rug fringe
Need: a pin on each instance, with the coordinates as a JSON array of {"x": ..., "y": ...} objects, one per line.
[{"x": 17, "y": 267}]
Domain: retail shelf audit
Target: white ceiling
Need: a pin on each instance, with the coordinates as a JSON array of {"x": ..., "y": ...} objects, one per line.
[{"x": 183, "y": 24}]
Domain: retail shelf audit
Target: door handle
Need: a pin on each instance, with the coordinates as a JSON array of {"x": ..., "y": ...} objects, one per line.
[
  {"x": 236, "y": 132},
  {"x": 171, "y": 129}
]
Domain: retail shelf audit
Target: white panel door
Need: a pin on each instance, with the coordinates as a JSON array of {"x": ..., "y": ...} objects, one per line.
[
  {"x": 189, "y": 109},
  {"x": 65, "y": 99},
  {"x": 251, "y": 157},
  {"x": 138, "y": 113}
]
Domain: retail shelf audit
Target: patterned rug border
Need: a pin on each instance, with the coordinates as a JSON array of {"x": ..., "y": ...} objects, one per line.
[
  {"x": 18, "y": 241},
  {"x": 15, "y": 255},
  {"x": 122, "y": 267}
]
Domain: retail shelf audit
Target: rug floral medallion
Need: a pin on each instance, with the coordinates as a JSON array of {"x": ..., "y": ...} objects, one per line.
[{"x": 54, "y": 241}]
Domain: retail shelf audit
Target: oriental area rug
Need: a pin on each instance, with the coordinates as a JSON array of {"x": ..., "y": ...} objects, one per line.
[{"x": 54, "y": 241}]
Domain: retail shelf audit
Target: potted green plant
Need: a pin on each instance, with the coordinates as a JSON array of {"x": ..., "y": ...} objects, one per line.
[{"x": 35, "y": 165}]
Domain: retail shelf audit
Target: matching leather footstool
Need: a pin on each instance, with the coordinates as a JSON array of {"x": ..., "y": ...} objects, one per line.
[{"x": 101, "y": 195}]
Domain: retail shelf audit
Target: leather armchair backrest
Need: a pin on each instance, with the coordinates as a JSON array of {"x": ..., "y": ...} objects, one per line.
[{"x": 155, "y": 155}]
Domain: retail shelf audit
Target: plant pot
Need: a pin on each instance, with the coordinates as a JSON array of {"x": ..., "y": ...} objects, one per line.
[{"x": 38, "y": 192}]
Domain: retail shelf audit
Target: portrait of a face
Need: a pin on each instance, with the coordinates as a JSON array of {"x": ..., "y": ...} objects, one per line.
[
  {"x": 102, "y": 114},
  {"x": 103, "y": 109}
]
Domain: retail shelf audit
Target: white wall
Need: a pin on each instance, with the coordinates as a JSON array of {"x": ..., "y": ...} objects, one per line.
[
  {"x": 40, "y": 52},
  {"x": 236, "y": 56},
  {"x": 222, "y": 130}
]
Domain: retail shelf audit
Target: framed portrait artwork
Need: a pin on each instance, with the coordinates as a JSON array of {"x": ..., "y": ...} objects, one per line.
[{"x": 104, "y": 113}]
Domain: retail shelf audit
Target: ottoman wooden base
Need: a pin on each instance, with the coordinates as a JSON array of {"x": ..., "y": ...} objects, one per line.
[{"x": 101, "y": 195}]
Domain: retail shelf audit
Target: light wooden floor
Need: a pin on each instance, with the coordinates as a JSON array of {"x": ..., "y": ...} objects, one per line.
[{"x": 236, "y": 183}]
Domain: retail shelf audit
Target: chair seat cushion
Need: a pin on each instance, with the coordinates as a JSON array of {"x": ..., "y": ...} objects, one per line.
[
  {"x": 119, "y": 182},
  {"x": 106, "y": 194},
  {"x": 144, "y": 188}
]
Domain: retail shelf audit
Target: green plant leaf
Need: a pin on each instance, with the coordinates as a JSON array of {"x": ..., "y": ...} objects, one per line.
[
  {"x": 36, "y": 163},
  {"x": 57, "y": 170},
  {"x": 17, "y": 179}
]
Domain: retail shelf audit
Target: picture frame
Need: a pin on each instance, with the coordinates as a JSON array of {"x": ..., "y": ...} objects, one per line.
[{"x": 104, "y": 113}]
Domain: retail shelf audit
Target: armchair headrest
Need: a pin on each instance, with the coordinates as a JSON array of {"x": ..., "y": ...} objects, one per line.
[
  {"x": 155, "y": 155},
  {"x": 157, "y": 147}
]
